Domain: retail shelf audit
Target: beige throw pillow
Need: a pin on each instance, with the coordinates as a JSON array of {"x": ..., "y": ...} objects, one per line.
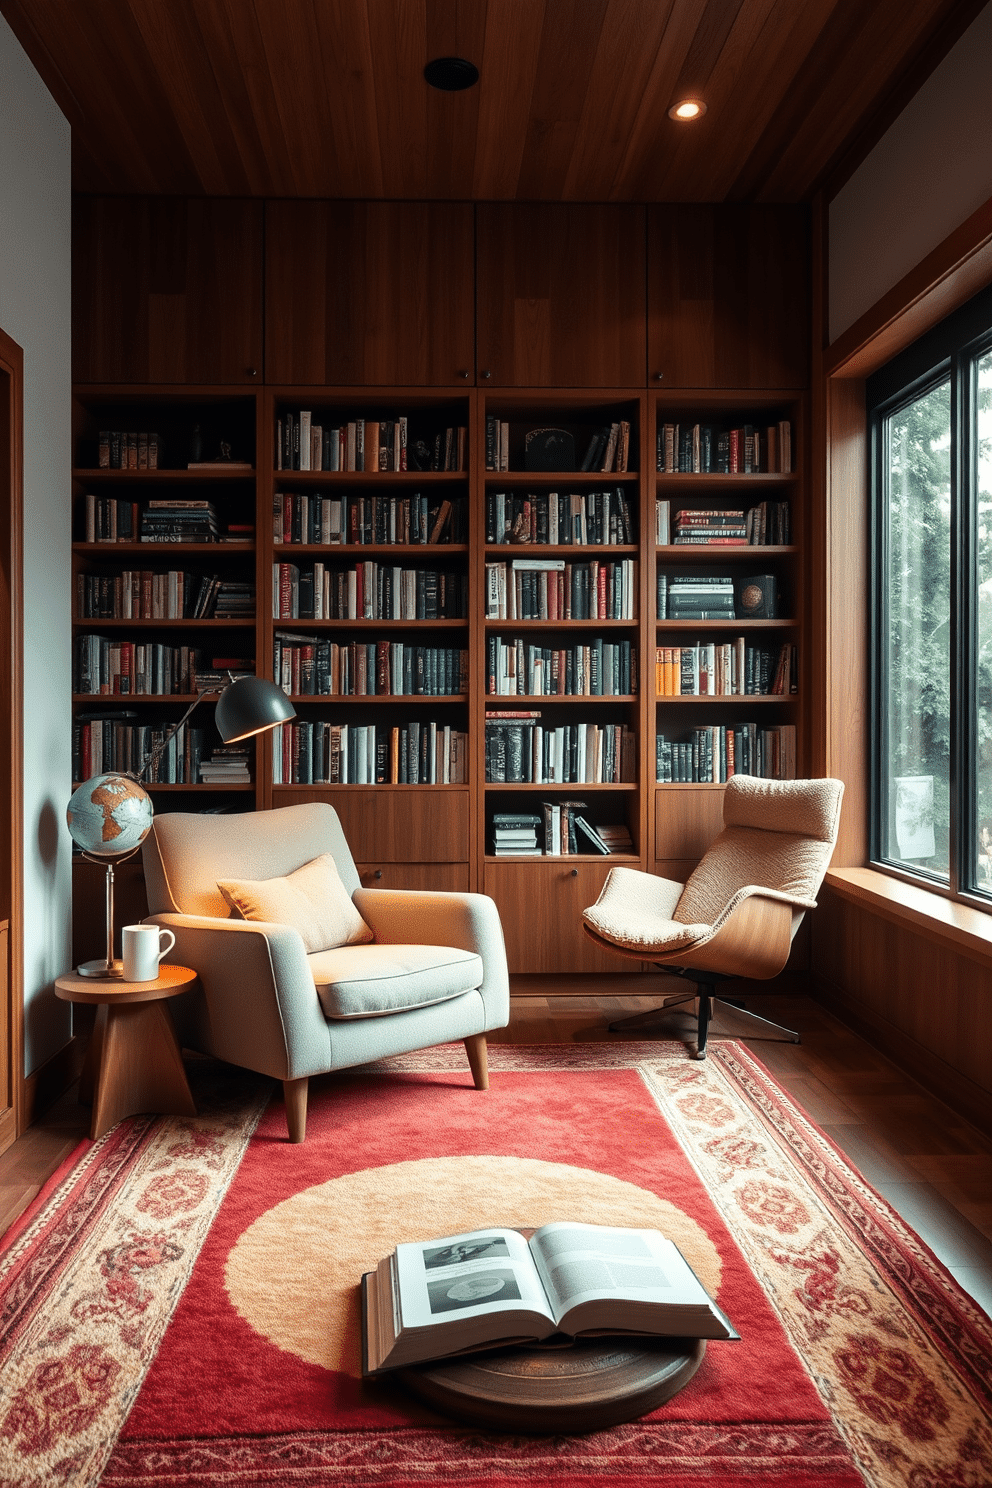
[{"x": 313, "y": 900}]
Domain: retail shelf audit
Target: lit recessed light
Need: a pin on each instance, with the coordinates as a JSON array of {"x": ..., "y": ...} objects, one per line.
[{"x": 689, "y": 108}]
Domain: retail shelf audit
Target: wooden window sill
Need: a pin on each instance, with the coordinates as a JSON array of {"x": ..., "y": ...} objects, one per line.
[{"x": 955, "y": 925}]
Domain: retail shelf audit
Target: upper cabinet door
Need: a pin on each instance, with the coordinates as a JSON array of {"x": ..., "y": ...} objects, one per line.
[
  {"x": 560, "y": 295},
  {"x": 167, "y": 289},
  {"x": 369, "y": 293},
  {"x": 728, "y": 297}
]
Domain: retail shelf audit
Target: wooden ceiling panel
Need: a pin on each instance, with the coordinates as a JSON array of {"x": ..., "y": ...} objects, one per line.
[{"x": 326, "y": 98}]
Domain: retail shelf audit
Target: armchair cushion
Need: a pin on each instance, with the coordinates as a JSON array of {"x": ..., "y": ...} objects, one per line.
[
  {"x": 313, "y": 900},
  {"x": 634, "y": 911},
  {"x": 370, "y": 981}
]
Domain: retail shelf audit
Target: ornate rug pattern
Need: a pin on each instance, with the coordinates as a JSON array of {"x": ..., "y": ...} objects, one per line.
[{"x": 885, "y": 1366}]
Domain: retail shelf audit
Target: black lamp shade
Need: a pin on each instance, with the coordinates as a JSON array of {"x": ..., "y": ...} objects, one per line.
[{"x": 250, "y": 705}]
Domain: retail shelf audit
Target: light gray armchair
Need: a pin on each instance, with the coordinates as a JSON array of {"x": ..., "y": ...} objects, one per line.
[{"x": 434, "y": 972}]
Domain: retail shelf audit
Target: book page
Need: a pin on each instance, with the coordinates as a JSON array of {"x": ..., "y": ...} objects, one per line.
[
  {"x": 465, "y": 1276},
  {"x": 578, "y": 1263}
]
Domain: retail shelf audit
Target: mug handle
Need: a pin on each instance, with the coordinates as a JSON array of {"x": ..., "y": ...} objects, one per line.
[{"x": 164, "y": 950}]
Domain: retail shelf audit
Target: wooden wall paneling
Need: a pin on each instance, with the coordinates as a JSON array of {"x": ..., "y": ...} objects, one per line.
[
  {"x": 728, "y": 296},
  {"x": 395, "y": 824},
  {"x": 686, "y": 820},
  {"x": 167, "y": 289},
  {"x": 844, "y": 638},
  {"x": 369, "y": 292},
  {"x": 541, "y": 906},
  {"x": 560, "y": 291}
]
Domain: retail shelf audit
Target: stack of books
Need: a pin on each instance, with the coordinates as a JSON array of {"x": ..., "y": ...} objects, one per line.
[
  {"x": 515, "y": 834},
  {"x": 701, "y": 526},
  {"x": 179, "y": 521},
  {"x": 234, "y": 600},
  {"x": 227, "y": 765},
  {"x": 695, "y": 597},
  {"x": 617, "y": 837}
]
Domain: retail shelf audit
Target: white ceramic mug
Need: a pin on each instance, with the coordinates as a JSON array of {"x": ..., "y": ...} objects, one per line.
[{"x": 144, "y": 946}]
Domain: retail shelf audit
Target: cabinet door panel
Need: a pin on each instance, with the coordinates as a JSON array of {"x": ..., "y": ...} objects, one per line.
[
  {"x": 728, "y": 296},
  {"x": 369, "y": 292},
  {"x": 167, "y": 289},
  {"x": 541, "y": 906},
  {"x": 435, "y": 877},
  {"x": 560, "y": 295},
  {"x": 687, "y": 819},
  {"x": 406, "y": 825}
]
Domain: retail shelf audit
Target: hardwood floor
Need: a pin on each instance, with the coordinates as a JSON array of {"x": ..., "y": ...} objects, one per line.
[{"x": 933, "y": 1167}]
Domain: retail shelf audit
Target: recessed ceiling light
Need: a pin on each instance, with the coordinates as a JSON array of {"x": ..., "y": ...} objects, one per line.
[
  {"x": 451, "y": 74},
  {"x": 689, "y": 108}
]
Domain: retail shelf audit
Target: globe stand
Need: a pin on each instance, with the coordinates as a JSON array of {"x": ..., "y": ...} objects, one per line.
[{"x": 108, "y": 967}]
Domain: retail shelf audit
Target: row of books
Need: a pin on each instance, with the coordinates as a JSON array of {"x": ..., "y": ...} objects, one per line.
[
  {"x": 520, "y": 750},
  {"x": 369, "y": 591},
  {"x": 712, "y": 755},
  {"x": 365, "y": 444},
  {"x": 695, "y": 596},
  {"x": 602, "y": 518},
  {"x": 766, "y": 524},
  {"x": 227, "y": 765},
  {"x": 559, "y": 830},
  {"x": 553, "y": 589},
  {"x": 173, "y": 594},
  {"x": 104, "y": 743},
  {"x": 127, "y": 449},
  {"x": 725, "y": 669},
  {"x": 306, "y": 667},
  {"x": 416, "y": 753},
  {"x": 105, "y": 666},
  {"x": 607, "y": 446},
  {"x": 599, "y": 668},
  {"x": 401, "y": 520},
  {"x": 705, "y": 449}
]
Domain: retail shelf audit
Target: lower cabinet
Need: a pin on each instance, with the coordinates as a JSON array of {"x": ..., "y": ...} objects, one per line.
[{"x": 541, "y": 904}]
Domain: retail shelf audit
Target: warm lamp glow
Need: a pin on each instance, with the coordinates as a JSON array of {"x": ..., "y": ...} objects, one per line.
[{"x": 689, "y": 108}]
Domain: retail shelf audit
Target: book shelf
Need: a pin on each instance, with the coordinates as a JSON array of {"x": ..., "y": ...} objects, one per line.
[{"x": 400, "y": 608}]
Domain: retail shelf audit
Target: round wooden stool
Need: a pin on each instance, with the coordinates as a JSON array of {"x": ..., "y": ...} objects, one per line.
[
  {"x": 578, "y": 1387},
  {"x": 133, "y": 1062}
]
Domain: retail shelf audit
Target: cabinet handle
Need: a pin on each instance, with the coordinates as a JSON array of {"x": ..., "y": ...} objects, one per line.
[
  {"x": 252, "y": 371},
  {"x": 377, "y": 873},
  {"x": 575, "y": 872},
  {"x": 485, "y": 374},
  {"x": 658, "y": 376},
  {"x": 463, "y": 374}
]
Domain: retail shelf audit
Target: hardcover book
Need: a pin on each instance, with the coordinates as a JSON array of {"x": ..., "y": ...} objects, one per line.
[{"x": 493, "y": 1287}]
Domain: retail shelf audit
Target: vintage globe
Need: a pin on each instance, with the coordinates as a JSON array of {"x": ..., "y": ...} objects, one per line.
[{"x": 109, "y": 815}]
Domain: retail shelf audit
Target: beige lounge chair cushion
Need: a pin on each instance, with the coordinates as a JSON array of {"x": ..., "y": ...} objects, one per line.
[
  {"x": 370, "y": 981},
  {"x": 313, "y": 900},
  {"x": 634, "y": 910}
]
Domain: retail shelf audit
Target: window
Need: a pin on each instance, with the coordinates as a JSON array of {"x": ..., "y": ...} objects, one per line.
[{"x": 930, "y": 417}]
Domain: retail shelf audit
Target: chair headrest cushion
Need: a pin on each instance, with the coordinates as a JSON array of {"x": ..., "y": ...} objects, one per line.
[{"x": 807, "y": 808}]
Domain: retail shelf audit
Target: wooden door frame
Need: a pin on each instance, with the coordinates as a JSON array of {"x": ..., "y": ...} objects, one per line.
[{"x": 11, "y": 738}]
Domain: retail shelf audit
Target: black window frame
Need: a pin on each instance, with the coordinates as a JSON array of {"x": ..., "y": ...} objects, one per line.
[{"x": 950, "y": 351}]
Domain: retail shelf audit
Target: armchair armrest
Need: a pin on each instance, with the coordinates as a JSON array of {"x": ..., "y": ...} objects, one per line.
[
  {"x": 750, "y": 938},
  {"x": 469, "y": 921},
  {"x": 260, "y": 1007}
]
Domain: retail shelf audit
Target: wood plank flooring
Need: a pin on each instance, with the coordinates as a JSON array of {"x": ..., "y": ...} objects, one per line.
[{"x": 932, "y": 1166}]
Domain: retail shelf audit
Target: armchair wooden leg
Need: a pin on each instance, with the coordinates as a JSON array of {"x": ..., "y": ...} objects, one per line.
[
  {"x": 295, "y": 1096},
  {"x": 475, "y": 1048}
]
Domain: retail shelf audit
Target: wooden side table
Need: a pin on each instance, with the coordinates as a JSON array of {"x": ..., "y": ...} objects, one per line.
[{"x": 133, "y": 1062}]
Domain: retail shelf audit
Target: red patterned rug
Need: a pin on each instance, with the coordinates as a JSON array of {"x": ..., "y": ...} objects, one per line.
[{"x": 181, "y": 1309}]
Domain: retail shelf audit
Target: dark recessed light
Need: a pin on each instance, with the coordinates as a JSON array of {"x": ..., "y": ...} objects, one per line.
[{"x": 451, "y": 74}]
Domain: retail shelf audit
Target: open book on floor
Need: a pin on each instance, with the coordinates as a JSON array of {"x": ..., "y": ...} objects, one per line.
[{"x": 493, "y": 1287}]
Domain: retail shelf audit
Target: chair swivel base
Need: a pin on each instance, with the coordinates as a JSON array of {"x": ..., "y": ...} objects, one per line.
[{"x": 658, "y": 1021}]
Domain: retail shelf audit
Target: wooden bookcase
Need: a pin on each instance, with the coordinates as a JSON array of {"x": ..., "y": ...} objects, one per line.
[{"x": 648, "y": 281}]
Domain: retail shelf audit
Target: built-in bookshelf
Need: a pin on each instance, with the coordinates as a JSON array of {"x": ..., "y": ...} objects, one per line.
[{"x": 506, "y": 677}]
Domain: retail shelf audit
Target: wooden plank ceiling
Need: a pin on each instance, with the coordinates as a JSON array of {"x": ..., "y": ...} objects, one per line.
[{"x": 326, "y": 98}]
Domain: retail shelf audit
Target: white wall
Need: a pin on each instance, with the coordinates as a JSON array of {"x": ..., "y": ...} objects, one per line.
[
  {"x": 35, "y": 279},
  {"x": 927, "y": 174}
]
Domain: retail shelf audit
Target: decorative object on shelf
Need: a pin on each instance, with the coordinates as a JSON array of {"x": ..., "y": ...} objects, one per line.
[
  {"x": 549, "y": 449},
  {"x": 109, "y": 816}
]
